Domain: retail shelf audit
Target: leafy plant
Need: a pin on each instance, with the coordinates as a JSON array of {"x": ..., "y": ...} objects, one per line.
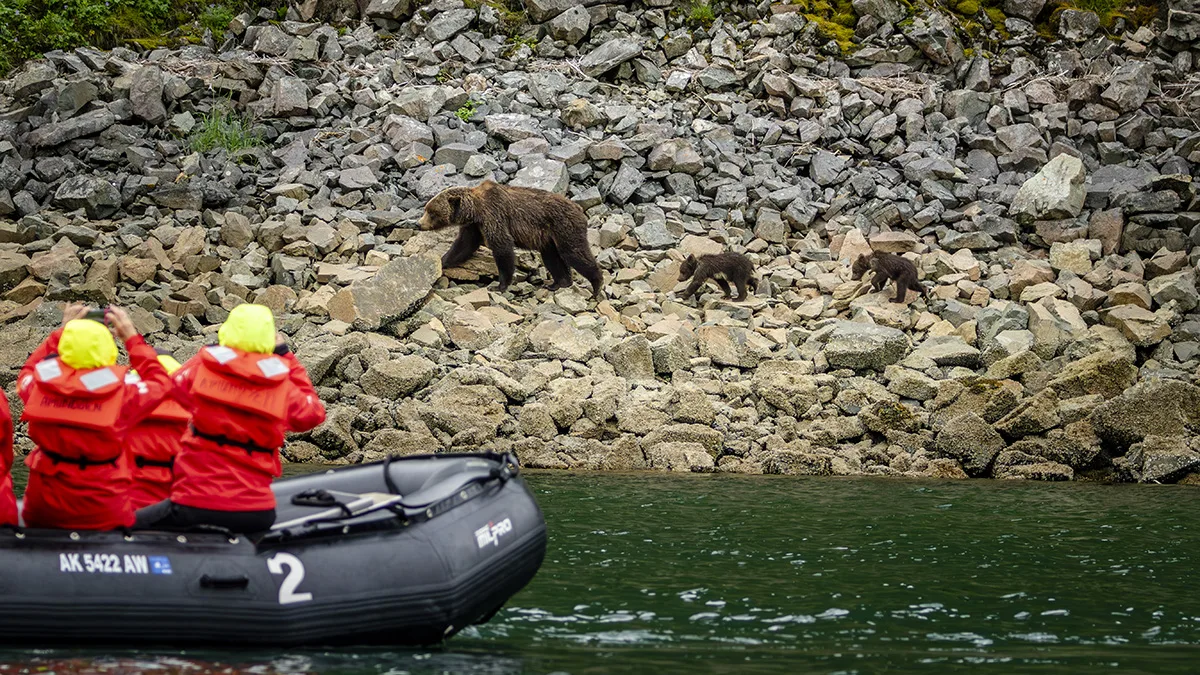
[
  {"x": 216, "y": 18},
  {"x": 223, "y": 128},
  {"x": 465, "y": 111},
  {"x": 701, "y": 13}
]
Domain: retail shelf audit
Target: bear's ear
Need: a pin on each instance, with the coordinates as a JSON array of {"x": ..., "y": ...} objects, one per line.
[
  {"x": 454, "y": 199},
  {"x": 691, "y": 258}
]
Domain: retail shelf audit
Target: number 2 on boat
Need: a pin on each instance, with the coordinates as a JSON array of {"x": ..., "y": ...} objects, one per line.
[{"x": 295, "y": 575}]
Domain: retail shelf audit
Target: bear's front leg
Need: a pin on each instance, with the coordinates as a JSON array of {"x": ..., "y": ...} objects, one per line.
[
  {"x": 506, "y": 262},
  {"x": 468, "y": 241}
]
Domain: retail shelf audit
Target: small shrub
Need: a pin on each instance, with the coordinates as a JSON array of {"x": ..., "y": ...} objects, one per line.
[
  {"x": 224, "y": 129},
  {"x": 465, "y": 111},
  {"x": 216, "y": 18},
  {"x": 701, "y": 14}
]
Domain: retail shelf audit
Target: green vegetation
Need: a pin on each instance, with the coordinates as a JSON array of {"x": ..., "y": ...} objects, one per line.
[
  {"x": 216, "y": 18},
  {"x": 224, "y": 129},
  {"x": 29, "y": 28},
  {"x": 967, "y": 7},
  {"x": 701, "y": 14},
  {"x": 465, "y": 111},
  {"x": 511, "y": 12}
]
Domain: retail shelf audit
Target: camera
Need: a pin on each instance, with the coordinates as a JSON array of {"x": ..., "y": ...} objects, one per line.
[{"x": 97, "y": 314}]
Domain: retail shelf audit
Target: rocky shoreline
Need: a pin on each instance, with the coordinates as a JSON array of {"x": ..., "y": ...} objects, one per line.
[{"x": 1039, "y": 173}]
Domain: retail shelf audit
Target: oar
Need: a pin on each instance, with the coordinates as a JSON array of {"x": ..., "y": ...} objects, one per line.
[{"x": 364, "y": 503}]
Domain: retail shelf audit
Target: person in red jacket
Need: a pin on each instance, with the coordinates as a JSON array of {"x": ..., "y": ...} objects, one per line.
[
  {"x": 8, "y": 500},
  {"x": 153, "y": 444},
  {"x": 244, "y": 394},
  {"x": 79, "y": 407}
]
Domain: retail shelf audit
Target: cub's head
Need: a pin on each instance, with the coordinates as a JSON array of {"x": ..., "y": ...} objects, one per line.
[
  {"x": 447, "y": 209},
  {"x": 861, "y": 264},
  {"x": 688, "y": 268}
]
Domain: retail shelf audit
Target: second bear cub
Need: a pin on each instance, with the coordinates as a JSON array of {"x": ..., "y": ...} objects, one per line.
[
  {"x": 723, "y": 268},
  {"x": 889, "y": 267}
]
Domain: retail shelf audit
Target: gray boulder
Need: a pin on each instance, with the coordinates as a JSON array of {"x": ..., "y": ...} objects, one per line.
[
  {"x": 1149, "y": 408},
  {"x": 397, "y": 290},
  {"x": 544, "y": 10},
  {"x": 885, "y": 10},
  {"x": 609, "y": 55},
  {"x": 1179, "y": 287},
  {"x": 1129, "y": 85},
  {"x": 1055, "y": 192},
  {"x": 96, "y": 196},
  {"x": 971, "y": 441},
  {"x": 1164, "y": 459},
  {"x": 1026, "y": 9},
  {"x": 146, "y": 95},
  {"x": 57, "y": 133},
  {"x": 448, "y": 24},
  {"x": 632, "y": 359},
  {"x": 512, "y": 127},
  {"x": 394, "y": 10},
  {"x": 571, "y": 26},
  {"x": 543, "y": 174},
  {"x": 32, "y": 79},
  {"x": 1077, "y": 25},
  {"x": 398, "y": 377},
  {"x": 862, "y": 346}
]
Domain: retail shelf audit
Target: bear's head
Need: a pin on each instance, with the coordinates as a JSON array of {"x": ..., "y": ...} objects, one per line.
[
  {"x": 688, "y": 268},
  {"x": 446, "y": 209},
  {"x": 861, "y": 264}
]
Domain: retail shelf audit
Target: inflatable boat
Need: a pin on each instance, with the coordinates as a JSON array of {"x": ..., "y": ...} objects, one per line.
[{"x": 401, "y": 552}]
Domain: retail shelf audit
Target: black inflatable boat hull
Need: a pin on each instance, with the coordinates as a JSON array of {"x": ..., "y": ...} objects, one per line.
[{"x": 469, "y": 543}]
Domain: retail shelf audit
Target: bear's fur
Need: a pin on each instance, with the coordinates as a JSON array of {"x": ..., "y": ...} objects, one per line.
[
  {"x": 889, "y": 267},
  {"x": 722, "y": 268},
  {"x": 504, "y": 218}
]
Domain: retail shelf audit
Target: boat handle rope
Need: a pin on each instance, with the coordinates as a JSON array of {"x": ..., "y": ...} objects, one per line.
[{"x": 508, "y": 468}]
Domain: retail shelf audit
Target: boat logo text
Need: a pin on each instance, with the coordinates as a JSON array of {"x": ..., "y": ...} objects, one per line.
[{"x": 491, "y": 533}]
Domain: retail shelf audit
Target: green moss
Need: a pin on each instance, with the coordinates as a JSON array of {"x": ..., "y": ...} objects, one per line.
[
  {"x": 967, "y": 7},
  {"x": 835, "y": 20},
  {"x": 998, "y": 18}
]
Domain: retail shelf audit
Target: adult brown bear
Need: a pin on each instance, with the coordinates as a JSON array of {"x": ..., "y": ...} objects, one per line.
[{"x": 504, "y": 217}]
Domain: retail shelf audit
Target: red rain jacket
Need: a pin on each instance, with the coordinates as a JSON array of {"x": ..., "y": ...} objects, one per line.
[
  {"x": 8, "y": 501},
  {"x": 242, "y": 404},
  {"x": 82, "y": 417},
  {"x": 152, "y": 446}
]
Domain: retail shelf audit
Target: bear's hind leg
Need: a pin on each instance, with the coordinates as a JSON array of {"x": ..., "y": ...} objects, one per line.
[
  {"x": 584, "y": 263},
  {"x": 556, "y": 266},
  {"x": 468, "y": 241}
]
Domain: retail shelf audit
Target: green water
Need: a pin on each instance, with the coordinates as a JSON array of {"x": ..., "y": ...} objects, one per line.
[{"x": 731, "y": 574}]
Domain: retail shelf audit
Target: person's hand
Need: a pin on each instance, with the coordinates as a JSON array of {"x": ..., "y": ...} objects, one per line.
[
  {"x": 280, "y": 339},
  {"x": 74, "y": 310},
  {"x": 120, "y": 323}
]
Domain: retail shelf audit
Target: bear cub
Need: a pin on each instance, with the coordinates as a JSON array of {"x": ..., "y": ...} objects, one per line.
[
  {"x": 889, "y": 267},
  {"x": 723, "y": 268},
  {"x": 503, "y": 218}
]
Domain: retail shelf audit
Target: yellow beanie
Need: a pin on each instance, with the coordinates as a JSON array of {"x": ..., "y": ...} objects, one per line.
[
  {"x": 250, "y": 328},
  {"x": 168, "y": 363},
  {"x": 86, "y": 344}
]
